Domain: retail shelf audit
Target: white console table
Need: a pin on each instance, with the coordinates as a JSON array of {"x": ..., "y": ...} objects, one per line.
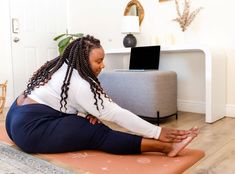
[{"x": 215, "y": 77}]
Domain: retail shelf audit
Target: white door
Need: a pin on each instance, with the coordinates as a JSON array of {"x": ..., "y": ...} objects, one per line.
[{"x": 34, "y": 25}]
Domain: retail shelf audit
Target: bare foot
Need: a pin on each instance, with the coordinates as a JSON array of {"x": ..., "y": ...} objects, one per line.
[{"x": 177, "y": 147}]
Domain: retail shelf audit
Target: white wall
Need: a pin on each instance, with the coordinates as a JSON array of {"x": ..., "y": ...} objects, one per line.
[
  {"x": 99, "y": 18},
  {"x": 215, "y": 28}
]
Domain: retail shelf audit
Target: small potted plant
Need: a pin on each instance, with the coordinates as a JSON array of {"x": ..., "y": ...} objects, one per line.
[{"x": 65, "y": 39}]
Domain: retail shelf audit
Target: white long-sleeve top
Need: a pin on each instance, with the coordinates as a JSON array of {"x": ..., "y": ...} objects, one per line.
[{"x": 81, "y": 100}]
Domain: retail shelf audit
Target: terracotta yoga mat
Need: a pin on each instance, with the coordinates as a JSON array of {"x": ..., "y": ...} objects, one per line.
[
  {"x": 97, "y": 162},
  {"x": 151, "y": 163}
]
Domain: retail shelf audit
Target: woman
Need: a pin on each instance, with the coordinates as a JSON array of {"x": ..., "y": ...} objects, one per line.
[{"x": 47, "y": 117}]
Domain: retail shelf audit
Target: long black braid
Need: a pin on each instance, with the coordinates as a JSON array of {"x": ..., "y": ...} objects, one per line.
[{"x": 76, "y": 55}]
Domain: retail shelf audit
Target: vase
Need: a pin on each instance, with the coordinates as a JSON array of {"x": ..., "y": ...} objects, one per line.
[{"x": 185, "y": 37}]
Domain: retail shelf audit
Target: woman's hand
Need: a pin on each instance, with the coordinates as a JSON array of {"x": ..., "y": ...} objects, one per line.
[
  {"x": 92, "y": 119},
  {"x": 173, "y": 135}
]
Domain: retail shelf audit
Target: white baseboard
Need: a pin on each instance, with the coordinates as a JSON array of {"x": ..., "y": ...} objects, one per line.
[
  {"x": 191, "y": 106},
  {"x": 230, "y": 110},
  {"x": 199, "y": 107}
]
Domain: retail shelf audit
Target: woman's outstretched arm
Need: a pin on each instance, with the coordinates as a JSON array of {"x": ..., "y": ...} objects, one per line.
[{"x": 114, "y": 113}]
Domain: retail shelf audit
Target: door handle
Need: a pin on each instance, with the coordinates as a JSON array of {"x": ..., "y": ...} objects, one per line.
[{"x": 16, "y": 39}]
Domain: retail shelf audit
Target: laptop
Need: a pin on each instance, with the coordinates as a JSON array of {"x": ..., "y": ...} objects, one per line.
[{"x": 144, "y": 58}]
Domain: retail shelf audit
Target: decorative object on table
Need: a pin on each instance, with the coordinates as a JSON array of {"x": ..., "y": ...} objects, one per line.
[
  {"x": 134, "y": 8},
  {"x": 66, "y": 38},
  {"x": 3, "y": 88},
  {"x": 185, "y": 17},
  {"x": 130, "y": 25}
]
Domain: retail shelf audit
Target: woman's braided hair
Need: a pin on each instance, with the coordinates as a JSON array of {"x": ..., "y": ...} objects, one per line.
[{"x": 76, "y": 55}]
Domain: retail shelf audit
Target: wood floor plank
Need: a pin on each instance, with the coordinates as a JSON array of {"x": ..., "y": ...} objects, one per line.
[{"x": 220, "y": 162}]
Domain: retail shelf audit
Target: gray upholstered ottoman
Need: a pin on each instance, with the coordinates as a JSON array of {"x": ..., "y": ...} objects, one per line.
[{"x": 149, "y": 94}]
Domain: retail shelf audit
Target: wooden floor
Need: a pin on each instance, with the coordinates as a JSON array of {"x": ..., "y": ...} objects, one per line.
[{"x": 217, "y": 140}]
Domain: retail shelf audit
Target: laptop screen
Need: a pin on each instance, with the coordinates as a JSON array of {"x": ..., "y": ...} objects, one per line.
[{"x": 145, "y": 58}]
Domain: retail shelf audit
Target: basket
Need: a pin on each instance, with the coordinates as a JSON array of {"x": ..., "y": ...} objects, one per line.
[{"x": 3, "y": 90}]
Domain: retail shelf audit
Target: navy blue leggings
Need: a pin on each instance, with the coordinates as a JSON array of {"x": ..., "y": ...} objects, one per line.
[{"x": 37, "y": 128}]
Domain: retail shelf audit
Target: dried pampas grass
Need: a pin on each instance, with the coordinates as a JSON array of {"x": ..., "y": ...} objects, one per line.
[{"x": 185, "y": 17}]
